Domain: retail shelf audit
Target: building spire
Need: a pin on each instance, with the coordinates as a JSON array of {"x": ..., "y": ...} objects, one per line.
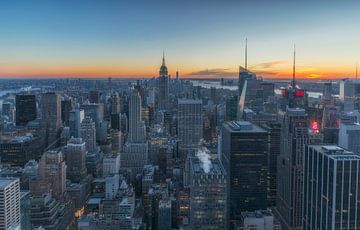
[
  {"x": 356, "y": 72},
  {"x": 293, "y": 74},
  {"x": 163, "y": 59},
  {"x": 246, "y": 53}
]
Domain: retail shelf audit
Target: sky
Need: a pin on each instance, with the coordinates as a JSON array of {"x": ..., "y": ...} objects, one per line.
[{"x": 204, "y": 38}]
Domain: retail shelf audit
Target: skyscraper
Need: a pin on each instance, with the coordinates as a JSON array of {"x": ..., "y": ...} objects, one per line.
[
  {"x": 25, "y": 108},
  {"x": 51, "y": 113},
  {"x": 251, "y": 94},
  {"x": 88, "y": 134},
  {"x": 163, "y": 99},
  {"x": 115, "y": 104},
  {"x": 136, "y": 124},
  {"x": 331, "y": 188},
  {"x": 164, "y": 218},
  {"x": 10, "y": 203},
  {"x": 244, "y": 75},
  {"x": 349, "y": 136},
  {"x": 76, "y": 116},
  {"x": 66, "y": 107},
  {"x": 115, "y": 117},
  {"x": 350, "y": 94},
  {"x": 208, "y": 191},
  {"x": 245, "y": 149},
  {"x": 75, "y": 152},
  {"x": 51, "y": 175},
  {"x": 274, "y": 130},
  {"x": 190, "y": 123},
  {"x": 294, "y": 136}
]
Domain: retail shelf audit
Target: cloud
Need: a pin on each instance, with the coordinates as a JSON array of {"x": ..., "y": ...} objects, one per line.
[
  {"x": 268, "y": 65},
  {"x": 216, "y": 72}
]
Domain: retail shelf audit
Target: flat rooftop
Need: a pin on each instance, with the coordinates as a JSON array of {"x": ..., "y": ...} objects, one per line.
[
  {"x": 6, "y": 181},
  {"x": 243, "y": 127}
]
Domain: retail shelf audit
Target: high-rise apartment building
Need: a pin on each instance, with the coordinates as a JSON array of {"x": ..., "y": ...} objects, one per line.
[
  {"x": 331, "y": 188},
  {"x": 25, "y": 108}
]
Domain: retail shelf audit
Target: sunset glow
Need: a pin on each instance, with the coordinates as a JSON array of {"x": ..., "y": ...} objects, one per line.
[{"x": 120, "y": 39}]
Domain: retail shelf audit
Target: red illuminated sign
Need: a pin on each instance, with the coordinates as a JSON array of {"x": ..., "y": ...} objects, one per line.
[
  {"x": 314, "y": 126},
  {"x": 299, "y": 93}
]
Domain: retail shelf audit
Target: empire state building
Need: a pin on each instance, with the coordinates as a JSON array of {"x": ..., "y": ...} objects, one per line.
[{"x": 163, "y": 97}]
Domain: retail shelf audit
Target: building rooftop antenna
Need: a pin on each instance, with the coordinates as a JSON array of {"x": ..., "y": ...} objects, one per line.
[
  {"x": 246, "y": 53},
  {"x": 356, "y": 72},
  {"x": 293, "y": 74}
]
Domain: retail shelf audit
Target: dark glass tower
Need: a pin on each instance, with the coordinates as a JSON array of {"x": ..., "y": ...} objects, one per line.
[
  {"x": 25, "y": 108},
  {"x": 245, "y": 149}
]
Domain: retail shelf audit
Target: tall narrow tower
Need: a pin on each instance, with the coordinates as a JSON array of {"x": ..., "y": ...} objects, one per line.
[
  {"x": 163, "y": 86},
  {"x": 136, "y": 124},
  {"x": 51, "y": 113}
]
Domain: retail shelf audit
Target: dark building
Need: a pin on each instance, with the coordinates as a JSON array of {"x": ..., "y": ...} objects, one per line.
[
  {"x": 66, "y": 107},
  {"x": 18, "y": 150},
  {"x": 274, "y": 130},
  {"x": 244, "y": 154},
  {"x": 94, "y": 96},
  {"x": 25, "y": 108},
  {"x": 295, "y": 134},
  {"x": 115, "y": 121},
  {"x": 231, "y": 108}
]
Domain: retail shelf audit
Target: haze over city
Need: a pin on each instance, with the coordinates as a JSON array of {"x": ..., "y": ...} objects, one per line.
[{"x": 202, "y": 39}]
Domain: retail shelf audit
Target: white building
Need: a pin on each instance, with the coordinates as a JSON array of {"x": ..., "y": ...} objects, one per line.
[
  {"x": 111, "y": 186},
  {"x": 88, "y": 134},
  {"x": 111, "y": 165},
  {"x": 9, "y": 203},
  {"x": 258, "y": 220},
  {"x": 349, "y": 136}
]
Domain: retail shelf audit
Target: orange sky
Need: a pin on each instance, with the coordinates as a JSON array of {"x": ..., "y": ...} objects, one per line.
[{"x": 266, "y": 70}]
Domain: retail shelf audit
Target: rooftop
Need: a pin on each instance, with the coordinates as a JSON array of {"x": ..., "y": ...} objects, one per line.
[
  {"x": 6, "y": 181},
  {"x": 243, "y": 127},
  {"x": 189, "y": 101}
]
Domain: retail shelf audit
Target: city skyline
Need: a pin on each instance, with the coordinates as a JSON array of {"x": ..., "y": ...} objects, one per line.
[{"x": 202, "y": 39}]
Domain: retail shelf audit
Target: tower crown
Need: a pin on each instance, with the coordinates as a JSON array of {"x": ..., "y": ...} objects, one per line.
[{"x": 163, "y": 69}]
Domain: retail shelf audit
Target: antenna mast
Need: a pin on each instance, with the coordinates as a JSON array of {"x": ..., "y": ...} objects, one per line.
[
  {"x": 356, "y": 74},
  {"x": 293, "y": 80},
  {"x": 246, "y": 53}
]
